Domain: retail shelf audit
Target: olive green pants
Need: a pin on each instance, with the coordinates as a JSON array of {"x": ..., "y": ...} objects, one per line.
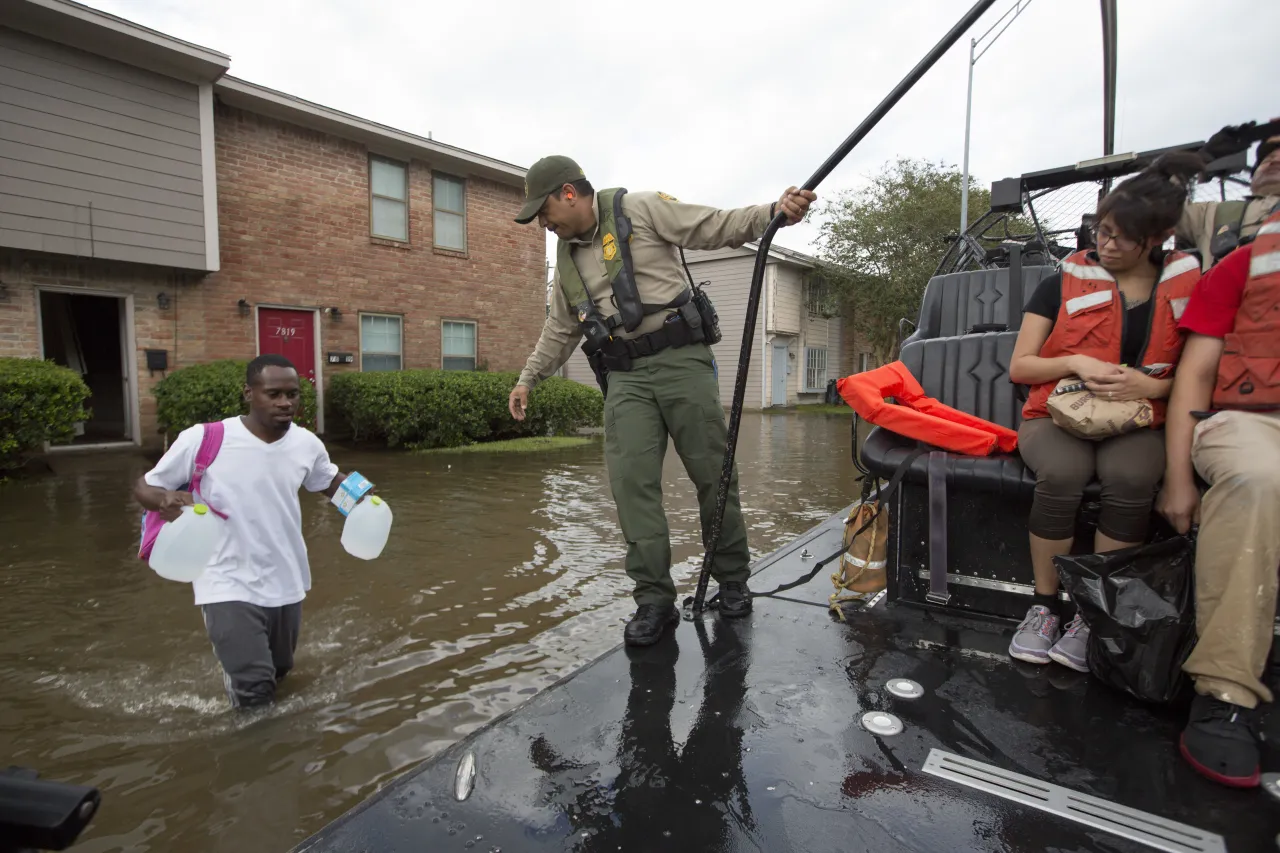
[{"x": 674, "y": 392}]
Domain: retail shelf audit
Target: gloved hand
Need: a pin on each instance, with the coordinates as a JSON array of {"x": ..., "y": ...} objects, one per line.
[{"x": 1232, "y": 139}]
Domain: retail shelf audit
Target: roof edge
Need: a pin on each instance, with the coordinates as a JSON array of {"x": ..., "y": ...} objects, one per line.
[
  {"x": 94, "y": 31},
  {"x": 382, "y": 138}
]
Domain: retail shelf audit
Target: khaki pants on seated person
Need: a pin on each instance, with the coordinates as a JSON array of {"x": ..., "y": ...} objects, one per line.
[{"x": 1237, "y": 554}]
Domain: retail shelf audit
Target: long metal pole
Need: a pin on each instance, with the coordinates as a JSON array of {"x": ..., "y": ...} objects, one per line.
[
  {"x": 712, "y": 538},
  {"x": 968, "y": 111},
  {"x": 1108, "y": 86}
]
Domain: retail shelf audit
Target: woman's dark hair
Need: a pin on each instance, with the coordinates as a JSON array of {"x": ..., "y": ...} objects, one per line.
[{"x": 1150, "y": 203}]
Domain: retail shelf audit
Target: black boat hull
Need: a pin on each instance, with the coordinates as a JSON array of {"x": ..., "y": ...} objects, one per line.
[{"x": 747, "y": 735}]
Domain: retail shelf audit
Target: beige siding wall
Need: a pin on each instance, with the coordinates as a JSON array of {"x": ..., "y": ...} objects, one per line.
[
  {"x": 98, "y": 159},
  {"x": 822, "y": 334},
  {"x": 577, "y": 369},
  {"x": 728, "y": 273},
  {"x": 729, "y": 287},
  {"x": 786, "y": 304}
]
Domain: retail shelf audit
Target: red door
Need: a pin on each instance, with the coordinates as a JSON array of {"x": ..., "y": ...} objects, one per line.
[{"x": 291, "y": 334}]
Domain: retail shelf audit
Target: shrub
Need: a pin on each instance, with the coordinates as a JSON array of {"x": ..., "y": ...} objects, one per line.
[
  {"x": 203, "y": 393},
  {"x": 39, "y": 402},
  {"x": 445, "y": 408}
]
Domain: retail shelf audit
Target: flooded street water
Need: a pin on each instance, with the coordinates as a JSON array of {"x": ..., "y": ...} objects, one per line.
[{"x": 503, "y": 573}]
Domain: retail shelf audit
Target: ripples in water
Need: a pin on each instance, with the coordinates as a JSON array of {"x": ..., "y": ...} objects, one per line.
[{"x": 503, "y": 575}]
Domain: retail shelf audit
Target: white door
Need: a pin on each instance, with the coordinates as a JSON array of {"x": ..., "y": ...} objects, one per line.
[{"x": 780, "y": 365}]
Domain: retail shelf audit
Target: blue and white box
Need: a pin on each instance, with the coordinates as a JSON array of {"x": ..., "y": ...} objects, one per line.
[{"x": 350, "y": 492}]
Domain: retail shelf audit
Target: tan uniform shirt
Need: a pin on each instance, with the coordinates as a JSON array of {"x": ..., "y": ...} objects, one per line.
[
  {"x": 659, "y": 225},
  {"x": 1196, "y": 225}
]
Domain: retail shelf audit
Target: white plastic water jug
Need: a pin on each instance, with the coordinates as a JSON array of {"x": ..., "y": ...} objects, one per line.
[
  {"x": 365, "y": 532},
  {"x": 184, "y": 547}
]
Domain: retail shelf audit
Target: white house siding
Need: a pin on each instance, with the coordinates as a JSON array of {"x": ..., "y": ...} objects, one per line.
[
  {"x": 729, "y": 286},
  {"x": 819, "y": 333},
  {"x": 787, "y": 304},
  {"x": 782, "y": 316}
]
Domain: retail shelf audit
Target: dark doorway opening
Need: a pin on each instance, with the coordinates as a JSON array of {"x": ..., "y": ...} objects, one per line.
[{"x": 86, "y": 334}]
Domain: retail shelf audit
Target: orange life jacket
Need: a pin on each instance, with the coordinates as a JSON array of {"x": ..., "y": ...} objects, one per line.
[
  {"x": 920, "y": 417},
  {"x": 1249, "y": 370},
  {"x": 1091, "y": 319}
]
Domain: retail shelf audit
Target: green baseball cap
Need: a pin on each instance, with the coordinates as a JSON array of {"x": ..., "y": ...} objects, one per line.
[{"x": 545, "y": 177}]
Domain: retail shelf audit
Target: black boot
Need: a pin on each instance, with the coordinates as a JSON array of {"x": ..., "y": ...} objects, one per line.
[
  {"x": 1221, "y": 742},
  {"x": 649, "y": 623},
  {"x": 734, "y": 600}
]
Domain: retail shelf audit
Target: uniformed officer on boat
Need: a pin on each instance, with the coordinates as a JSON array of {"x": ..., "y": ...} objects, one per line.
[{"x": 647, "y": 331}]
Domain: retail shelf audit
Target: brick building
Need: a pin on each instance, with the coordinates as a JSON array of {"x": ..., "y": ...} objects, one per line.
[{"x": 156, "y": 213}]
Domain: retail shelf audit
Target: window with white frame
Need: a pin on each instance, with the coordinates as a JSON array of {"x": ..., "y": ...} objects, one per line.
[
  {"x": 459, "y": 340},
  {"x": 449, "y": 201},
  {"x": 815, "y": 368},
  {"x": 388, "y": 199},
  {"x": 816, "y": 297},
  {"x": 380, "y": 342}
]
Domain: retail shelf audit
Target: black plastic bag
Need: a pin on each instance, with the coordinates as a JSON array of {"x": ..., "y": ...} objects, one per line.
[{"x": 1139, "y": 604}]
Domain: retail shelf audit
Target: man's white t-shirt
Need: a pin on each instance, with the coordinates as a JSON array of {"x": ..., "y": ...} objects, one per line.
[{"x": 263, "y": 558}]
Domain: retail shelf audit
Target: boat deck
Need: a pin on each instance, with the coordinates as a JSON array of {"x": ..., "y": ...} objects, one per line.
[{"x": 748, "y": 735}]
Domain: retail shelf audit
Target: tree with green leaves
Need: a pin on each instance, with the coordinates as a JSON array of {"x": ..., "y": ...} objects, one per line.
[{"x": 880, "y": 244}]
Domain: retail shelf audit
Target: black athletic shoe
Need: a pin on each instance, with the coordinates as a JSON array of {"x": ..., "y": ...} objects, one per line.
[
  {"x": 1221, "y": 742},
  {"x": 735, "y": 599},
  {"x": 649, "y": 623}
]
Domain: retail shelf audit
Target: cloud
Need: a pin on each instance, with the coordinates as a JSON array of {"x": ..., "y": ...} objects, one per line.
[{"x": 729, "y": 103}]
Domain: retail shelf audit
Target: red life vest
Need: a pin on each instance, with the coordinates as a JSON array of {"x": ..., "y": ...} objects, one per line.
[
  {"x": 1091, "y": 318},
  {"x": 1249, "y": 370},
  {"x": 920, "y": 417}
]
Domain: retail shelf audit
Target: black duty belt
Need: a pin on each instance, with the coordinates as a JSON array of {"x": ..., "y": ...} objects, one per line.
[{"x": 672, "y": 334}]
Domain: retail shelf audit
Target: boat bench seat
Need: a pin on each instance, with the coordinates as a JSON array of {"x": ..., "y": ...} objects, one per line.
[
  {"x": 969, "y": 373},
  {"x": 958, "y": 303}
]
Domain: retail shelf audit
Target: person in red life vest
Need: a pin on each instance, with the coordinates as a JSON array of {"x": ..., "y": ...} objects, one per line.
[
  {"x": 1224, "y": 422},
  {"x": 1110, "y": 318}
]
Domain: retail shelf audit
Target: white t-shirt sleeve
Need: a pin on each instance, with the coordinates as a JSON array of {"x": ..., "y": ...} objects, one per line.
[
  {"x": 322, "y": 469},
  {"x": 176, "y": 466}
]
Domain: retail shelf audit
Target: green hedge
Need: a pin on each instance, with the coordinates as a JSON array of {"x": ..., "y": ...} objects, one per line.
[
  {"x": 39, "y": 402},
  {"x": 444, "y": 408},
  {"x": 210, "y": 392}
]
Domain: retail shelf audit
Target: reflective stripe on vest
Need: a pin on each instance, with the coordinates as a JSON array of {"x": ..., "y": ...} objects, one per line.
[
  {"x": 1090, "y": 321},
  {"x": 1249, "y": 369},
  {"x": 920, "y": 417}
]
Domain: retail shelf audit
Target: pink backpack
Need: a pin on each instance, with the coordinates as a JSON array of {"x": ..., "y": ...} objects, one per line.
[{"x": 151, "y": 520}]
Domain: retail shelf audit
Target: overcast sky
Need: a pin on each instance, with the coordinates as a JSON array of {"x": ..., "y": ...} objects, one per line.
[{"x": 729, "y": 103}]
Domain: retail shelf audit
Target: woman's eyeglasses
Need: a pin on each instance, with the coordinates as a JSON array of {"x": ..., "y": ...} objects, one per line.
[{"x": 1101, "y": 236}]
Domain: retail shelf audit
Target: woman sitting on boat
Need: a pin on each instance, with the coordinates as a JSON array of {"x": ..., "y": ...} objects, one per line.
[{"x": 1109, "y": 318}]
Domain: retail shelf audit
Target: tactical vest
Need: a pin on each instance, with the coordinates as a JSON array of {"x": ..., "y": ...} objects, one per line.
[
  {"x": 1249, "y": 370},
  {"x": 1091, "y": 321},
  {"x": 615, "y": 225},
  {"x": 1228, "y": 225}
]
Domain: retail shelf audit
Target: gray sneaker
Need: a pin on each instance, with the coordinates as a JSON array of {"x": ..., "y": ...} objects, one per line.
[
  {"x": 1072, "y": 650},
  {"x": 1035, "y": 636}
]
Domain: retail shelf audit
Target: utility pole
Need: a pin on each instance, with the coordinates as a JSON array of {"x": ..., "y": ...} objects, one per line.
[{"x": 974, "y": 56}]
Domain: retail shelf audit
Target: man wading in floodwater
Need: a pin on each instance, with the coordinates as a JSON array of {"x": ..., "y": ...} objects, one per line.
[
  {"x": 251, "y": 593},
  {"x": 620, "y": 286}
]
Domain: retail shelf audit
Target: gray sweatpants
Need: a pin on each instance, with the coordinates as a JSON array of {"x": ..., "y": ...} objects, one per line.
[{"x": 255, "y": 647}]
